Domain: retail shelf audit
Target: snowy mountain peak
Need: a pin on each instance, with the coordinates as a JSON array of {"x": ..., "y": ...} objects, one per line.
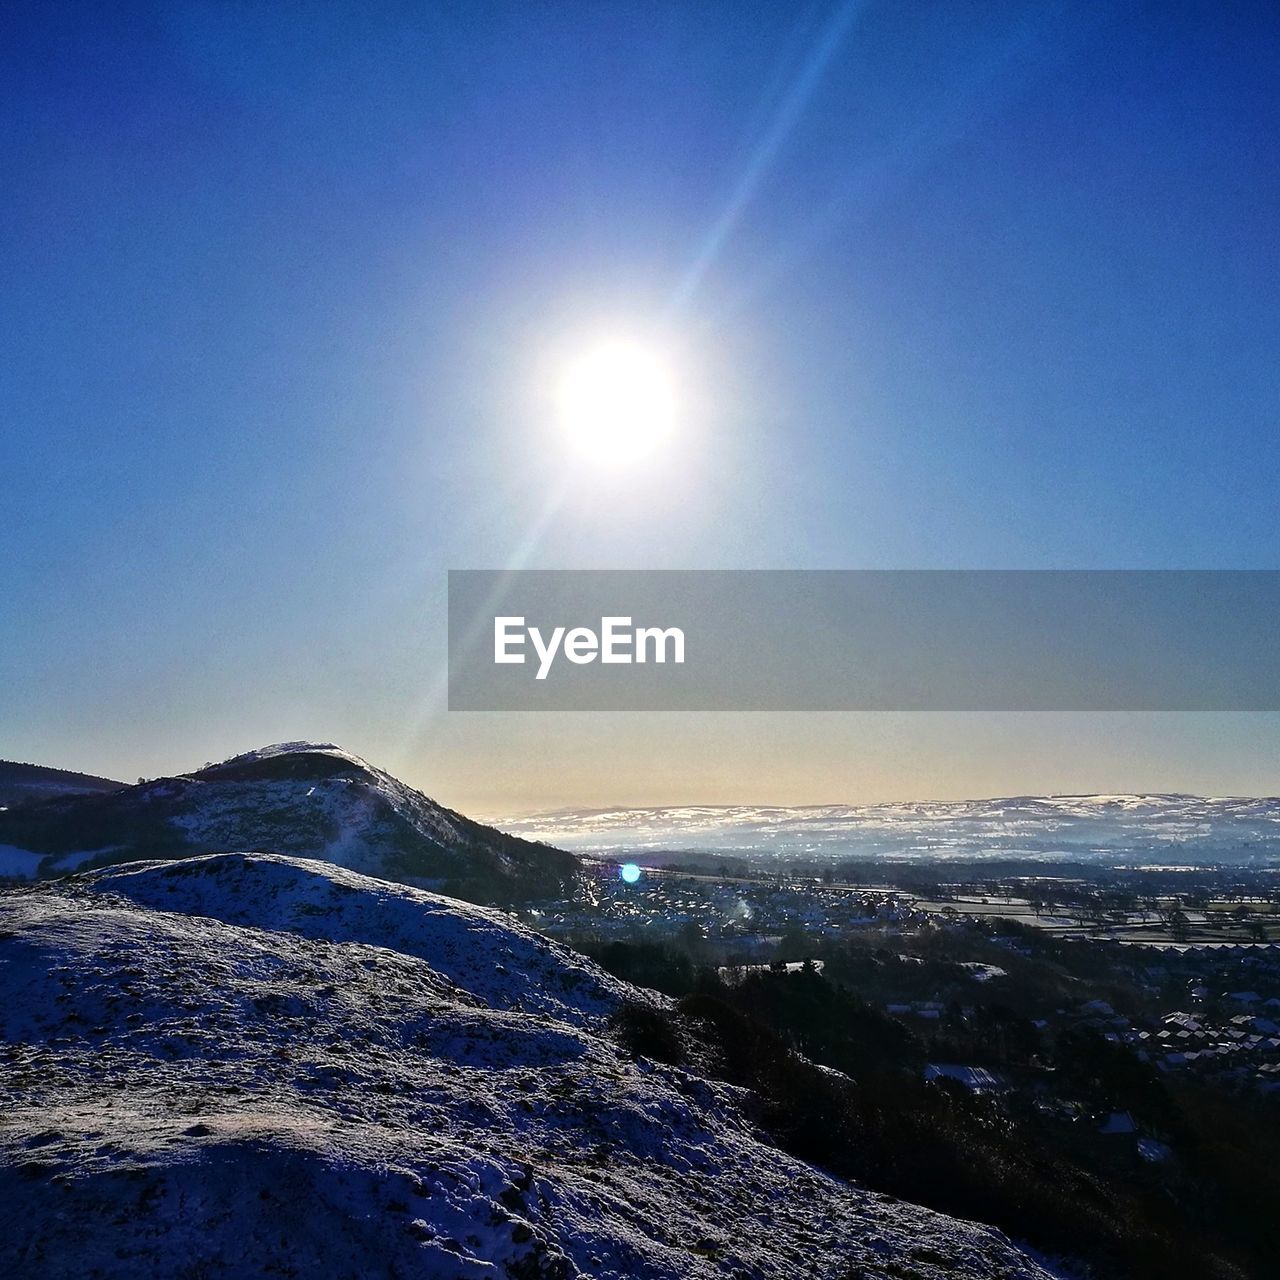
[
  {"x": 292, "y": 748},
  {"x": 304, "y": 799},
  {"x": 287, "y": 749}
]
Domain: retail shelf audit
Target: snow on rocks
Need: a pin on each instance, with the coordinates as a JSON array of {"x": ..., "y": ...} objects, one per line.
[{"x": 244, "y": 1065}]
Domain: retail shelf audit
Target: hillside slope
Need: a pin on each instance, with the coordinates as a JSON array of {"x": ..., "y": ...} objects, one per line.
[
  {"x": 247, "y": 1065},
  {"x": 309, "y": 800},
  {"x": 31, "y": 783}
]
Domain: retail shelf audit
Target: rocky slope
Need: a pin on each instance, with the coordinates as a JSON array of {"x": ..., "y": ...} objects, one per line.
[
  {"x": 315, "y": 801},
  {"x": 250, "y": 1065}
]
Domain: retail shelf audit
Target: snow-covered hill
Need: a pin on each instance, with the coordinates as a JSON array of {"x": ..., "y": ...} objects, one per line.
[
  {"x": 1227, "y": 829},
  {"x": 249, "y": 1065},
  {"x": 314, "y": 801}
]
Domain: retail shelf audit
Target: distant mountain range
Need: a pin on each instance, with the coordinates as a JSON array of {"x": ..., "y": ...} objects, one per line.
[
  {"x": 1179, "y": 827},
  {"x": 250, "y": 1065},
  {"x": 307, "y": 799}
]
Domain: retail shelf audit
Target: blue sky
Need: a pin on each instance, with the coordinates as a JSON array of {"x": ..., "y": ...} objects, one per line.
[{"x": 951, "y": 286}]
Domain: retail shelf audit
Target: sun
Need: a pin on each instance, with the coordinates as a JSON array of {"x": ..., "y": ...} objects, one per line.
[{"x": 617, "y": 403}]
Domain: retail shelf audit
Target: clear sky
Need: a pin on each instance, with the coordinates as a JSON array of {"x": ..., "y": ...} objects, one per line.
[{"x": 946, "y": 284}]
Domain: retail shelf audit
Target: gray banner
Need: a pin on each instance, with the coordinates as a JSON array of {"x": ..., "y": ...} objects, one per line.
[{"x": 890, "y": 640}]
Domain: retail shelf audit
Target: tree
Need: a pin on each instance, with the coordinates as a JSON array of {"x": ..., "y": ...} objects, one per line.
[
  {"x": 794, "y": 943},
  {"x": 690, "y": 940}
]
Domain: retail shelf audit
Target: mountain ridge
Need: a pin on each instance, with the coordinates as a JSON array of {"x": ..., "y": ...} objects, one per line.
[
  {"x": 307, "y": 799},
  {"x": 22, "y": 783}
]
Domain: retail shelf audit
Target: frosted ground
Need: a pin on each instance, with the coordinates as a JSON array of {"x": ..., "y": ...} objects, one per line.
[{"x": 248, "y": 1065}]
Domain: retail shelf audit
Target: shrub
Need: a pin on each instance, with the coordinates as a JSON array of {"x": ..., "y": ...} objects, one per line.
[{"x": 646, "y": 1031}]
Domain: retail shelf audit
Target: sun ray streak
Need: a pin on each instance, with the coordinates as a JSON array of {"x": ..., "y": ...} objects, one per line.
[
  {"x": 784, "y": 120},
  {"x": 955, "y": 111},
  {"x": 435, "y": 701}
]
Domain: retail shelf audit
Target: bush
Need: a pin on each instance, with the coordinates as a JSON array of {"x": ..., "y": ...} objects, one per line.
[
  {"x": 646, "y": 1031},
  {"x": 648, "y": 964}
]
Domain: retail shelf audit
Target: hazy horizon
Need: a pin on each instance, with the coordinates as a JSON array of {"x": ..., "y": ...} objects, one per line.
[{"x": 775, "y": 778}]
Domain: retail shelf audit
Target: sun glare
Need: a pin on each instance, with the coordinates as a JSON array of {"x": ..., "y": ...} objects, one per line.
[{"x": 617, "y": 403}]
